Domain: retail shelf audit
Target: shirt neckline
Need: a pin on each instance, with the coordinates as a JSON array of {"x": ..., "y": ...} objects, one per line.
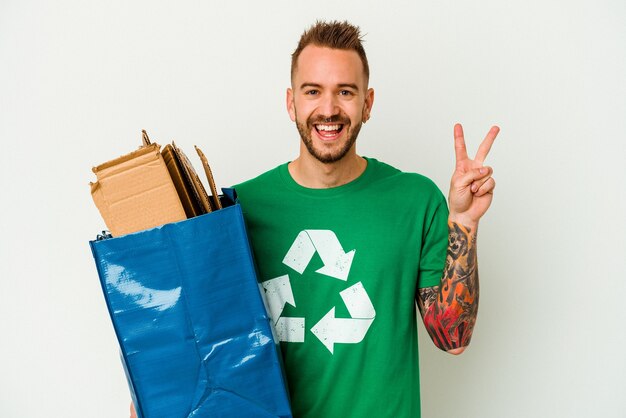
[{"x": 355, "y": 184}]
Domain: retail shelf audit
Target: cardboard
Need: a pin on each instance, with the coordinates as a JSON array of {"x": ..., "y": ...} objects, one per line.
[
  {"x": 186, "y": 191},
  {"x": 209, "y": 175},
  {"x": 136, "y": 192},
  {"x": 195, "y": 184},
  {"x": 149, "y": 188}
]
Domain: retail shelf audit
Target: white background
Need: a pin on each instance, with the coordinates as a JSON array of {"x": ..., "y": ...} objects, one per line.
[{"x": 80, "y": 79}]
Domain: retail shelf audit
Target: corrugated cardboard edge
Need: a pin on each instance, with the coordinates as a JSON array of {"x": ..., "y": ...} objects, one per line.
[
  {"x": 188, "y": 196},
  {"x": 194, "y": 179},
  {"x": 209, "y": 176},
  {"x": 102, "y": 169}
]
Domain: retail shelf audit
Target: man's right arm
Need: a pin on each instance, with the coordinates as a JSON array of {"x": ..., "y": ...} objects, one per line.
[{"x": 449, "y": 310}]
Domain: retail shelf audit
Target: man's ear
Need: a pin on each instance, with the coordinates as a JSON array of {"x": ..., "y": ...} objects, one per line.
[
  {"x": 369, "y": 102},
  {"x": 291, "y": 108}
]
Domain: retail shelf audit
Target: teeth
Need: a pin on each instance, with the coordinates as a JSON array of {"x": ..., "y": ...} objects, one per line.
[{"x": 328, "y": 127}]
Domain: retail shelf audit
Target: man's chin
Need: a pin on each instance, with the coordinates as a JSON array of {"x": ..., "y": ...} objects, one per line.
[{"x": 328, "y": 156}]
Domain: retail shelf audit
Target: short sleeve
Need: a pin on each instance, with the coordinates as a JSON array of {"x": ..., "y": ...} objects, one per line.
[{"x": 434, "y": 248}]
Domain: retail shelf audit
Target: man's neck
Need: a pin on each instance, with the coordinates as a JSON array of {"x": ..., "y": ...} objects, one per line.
[{"x": 311, "y": 173}]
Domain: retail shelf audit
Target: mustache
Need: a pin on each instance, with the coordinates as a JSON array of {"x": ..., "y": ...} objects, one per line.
[{"x": 338, "y": 118}]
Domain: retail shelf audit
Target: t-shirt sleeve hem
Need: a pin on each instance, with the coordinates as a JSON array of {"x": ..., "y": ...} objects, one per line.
[{"x": 430, "y": 282}]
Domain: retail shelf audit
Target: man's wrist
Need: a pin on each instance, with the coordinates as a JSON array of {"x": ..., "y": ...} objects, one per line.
[{"x": 470, "y": 224}]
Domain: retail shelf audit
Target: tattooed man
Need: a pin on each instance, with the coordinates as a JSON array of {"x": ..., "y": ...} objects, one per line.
[
  {"x": 361, "y": 243},
  {"x": 353, "y": 245}
]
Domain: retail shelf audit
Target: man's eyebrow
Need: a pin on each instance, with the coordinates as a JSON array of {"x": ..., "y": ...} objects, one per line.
[
  {"x": 341, "y": 85},
  {"x": 349, "y": 85},
  {"x": 305, "y": 85}
]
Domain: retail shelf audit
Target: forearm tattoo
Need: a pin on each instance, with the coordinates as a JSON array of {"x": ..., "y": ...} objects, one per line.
[{"x": 449, "y": 311}]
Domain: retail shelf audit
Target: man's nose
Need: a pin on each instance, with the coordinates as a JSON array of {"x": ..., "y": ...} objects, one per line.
[{"x": 329, "y": 105}]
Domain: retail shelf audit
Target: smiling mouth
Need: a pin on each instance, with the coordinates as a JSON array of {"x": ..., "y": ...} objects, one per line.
[{"x": 329, "y": 131}]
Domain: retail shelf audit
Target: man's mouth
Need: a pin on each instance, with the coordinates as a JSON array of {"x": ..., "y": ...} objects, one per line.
[{"x": 328, "y": 131}]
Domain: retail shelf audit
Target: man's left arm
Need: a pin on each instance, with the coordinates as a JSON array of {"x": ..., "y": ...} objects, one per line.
[{"x": 449, "y": 310}]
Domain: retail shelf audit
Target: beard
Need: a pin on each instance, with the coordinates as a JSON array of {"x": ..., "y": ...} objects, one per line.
[{"x": 329, "y": 155}]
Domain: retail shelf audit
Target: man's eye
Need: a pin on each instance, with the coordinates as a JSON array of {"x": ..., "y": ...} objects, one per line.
[
  {"x": 311, "y": 92},
  {"x": 345, "y": 93}
]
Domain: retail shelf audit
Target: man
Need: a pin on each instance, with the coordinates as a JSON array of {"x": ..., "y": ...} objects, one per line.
[
  {"x": 353, "y": 243},
  {"x": 346, "y": 245}
]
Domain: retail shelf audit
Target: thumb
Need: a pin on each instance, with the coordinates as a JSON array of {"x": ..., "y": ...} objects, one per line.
[{"x": 475, "y": 174}]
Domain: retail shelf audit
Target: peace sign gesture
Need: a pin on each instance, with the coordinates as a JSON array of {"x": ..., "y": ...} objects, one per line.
[{"x": 471, "y": 187}]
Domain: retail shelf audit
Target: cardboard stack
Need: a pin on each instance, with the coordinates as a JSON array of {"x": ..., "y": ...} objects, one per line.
[{"x": 149, "y": 187}]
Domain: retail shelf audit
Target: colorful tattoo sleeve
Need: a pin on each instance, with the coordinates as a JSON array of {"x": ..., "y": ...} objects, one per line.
[{"x": 449, "y": 311}]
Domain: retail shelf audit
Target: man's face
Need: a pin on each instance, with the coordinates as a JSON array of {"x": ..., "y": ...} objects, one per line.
[{"x": 329, "y": 100}]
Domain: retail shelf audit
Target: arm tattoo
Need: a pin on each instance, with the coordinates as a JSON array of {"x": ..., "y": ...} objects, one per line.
[{"x": 449, "y": 311}]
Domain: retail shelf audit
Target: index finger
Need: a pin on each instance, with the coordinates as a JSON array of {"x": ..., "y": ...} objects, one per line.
[
  {"x": 459, "y": 143},
  {"x": 485, "y": 146}
]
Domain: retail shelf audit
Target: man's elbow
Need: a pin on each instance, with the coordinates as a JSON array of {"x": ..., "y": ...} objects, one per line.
[
  {"x": 456, "y": 351},
  {"x": 446, "y": 347}
]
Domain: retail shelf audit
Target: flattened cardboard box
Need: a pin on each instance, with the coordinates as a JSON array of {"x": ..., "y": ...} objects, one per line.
[
  {"x": 135, "y": 192},
  {"x": 188, "y": 199}
]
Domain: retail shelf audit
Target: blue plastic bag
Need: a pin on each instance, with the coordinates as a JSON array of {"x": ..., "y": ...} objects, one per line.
[{"x": 194, "y": 334}]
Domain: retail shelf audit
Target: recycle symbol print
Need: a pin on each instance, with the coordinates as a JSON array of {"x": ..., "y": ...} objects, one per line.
[{"x": 330, "y": 330}]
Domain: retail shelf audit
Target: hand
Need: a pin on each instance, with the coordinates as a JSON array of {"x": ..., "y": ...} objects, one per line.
[
  {"x": 133, "y": 413},
  {"x": 471, "y": 187}
]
